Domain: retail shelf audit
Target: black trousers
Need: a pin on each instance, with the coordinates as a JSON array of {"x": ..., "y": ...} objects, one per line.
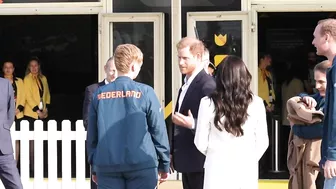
[
  {"x": 265, "y": 160},
  {"x": 319, "y": 182},
  {"x": 93, "y": 185},
  {"x": 193, "y": 180}
]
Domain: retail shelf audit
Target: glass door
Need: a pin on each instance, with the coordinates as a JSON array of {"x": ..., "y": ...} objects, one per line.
[
  {"x": 224, "y": 33},
  {"x": 145, "y": 30}
]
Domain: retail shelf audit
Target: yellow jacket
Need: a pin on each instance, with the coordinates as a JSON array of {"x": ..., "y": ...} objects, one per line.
[
  {"x": 263, "y": 90},
  {"x": 20, "y": 97},
  {"x": 33, "y": 95}
]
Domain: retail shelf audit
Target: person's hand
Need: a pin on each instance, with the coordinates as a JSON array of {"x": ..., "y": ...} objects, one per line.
[
  {"x": 42, "y": 114},
  {"x": 45, "y": 112},
  {"x": 94, "y": 179},
  {"x": 270, "y": 108},
  {"x": 182, "y": 120},
  {"x": 17, "y": 111},
  {"x": 163, "y": 177},
  {"x": 309, "y": 101},
  {"x": 329, "y": 169},
  {"x": 290, "y": 122},
  {"x": 171, "y": 169}
]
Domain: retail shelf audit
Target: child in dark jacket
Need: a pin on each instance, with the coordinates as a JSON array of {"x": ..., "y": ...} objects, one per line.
[{"x": 311, "y": 135}]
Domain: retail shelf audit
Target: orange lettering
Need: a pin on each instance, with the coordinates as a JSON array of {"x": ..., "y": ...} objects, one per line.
[
  {"x": 113, "y": 94},
  {"x": 119, "y": 94},
  {"x": 108, "y": 94},
  {"x": 128, "y": 93},
  {"x": 103, "y": 95}
]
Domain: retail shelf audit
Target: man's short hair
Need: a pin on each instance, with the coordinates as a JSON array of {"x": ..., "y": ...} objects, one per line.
[
  {"x": 328, "y": 26},
  {"x": 322, "y": 66},
  {"x": 109, "y": 60},
  {"x": 125, "y": 55},
  {"x": 206, "y": 50},
  {"x": 196, "y": 46}
]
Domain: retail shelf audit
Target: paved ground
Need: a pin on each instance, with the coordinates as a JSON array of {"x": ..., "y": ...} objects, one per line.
[{"x": 263, "y": 184}]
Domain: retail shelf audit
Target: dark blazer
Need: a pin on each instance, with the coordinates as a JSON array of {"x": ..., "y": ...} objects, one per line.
[
  {"x": 7, "y": 114},
  {"x": 89, "y": 91},
  {"x": 186, "y": 157}
]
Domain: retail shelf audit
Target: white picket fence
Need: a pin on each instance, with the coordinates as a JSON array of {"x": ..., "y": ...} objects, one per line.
[{"x": 52, "y": 136}]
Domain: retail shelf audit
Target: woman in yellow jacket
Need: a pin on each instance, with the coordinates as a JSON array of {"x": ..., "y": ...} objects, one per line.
[
  {"x": 8, "y": 69},
  {"x": 37, "y": 98},
  {"x": 37, "y": 92}
]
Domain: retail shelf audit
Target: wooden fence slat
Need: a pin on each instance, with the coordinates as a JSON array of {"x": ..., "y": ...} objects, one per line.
[
  {"x": 80, "y": 155},
  {"x": 66, "y": 154},
  {"x": 52, "y": 154},
  {"x": 38, "y": 154},
  {"x": 24, "y": 134}
]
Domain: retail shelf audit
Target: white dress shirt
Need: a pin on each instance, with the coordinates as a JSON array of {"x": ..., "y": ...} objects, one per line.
[
  {"x": 185, "y": 87},
  {"x": 106, "y": 82},
  {"x": 231, "y": 162}
]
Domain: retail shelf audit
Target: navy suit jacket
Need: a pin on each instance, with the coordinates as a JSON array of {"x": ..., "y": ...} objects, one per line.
[
  {"x": 186, "y": 157},
  {"x": 89, "y": 91},
  {"x": 7, "y": 114}
]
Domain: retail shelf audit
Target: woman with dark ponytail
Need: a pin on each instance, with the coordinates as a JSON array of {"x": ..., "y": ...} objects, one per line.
[
  {"x": 8, "y": 70},
  {"x": 232, "y": 129}
]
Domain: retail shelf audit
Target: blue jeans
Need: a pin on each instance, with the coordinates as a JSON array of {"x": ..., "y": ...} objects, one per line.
[
  {"x": 142, "y": 179},
  {"x": 330, "y": 183}
]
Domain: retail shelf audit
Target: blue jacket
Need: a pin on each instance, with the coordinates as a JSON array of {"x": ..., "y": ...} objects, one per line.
[
  {"x": 127, "y": 130},
  {"x": 313, "y": 131},
  {"x": 328, "y": 151}
]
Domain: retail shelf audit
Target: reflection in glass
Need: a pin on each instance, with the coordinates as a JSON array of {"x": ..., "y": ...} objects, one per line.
[
  {"x": 222, "y": 38},
  {"x": 140, "y": 34}
]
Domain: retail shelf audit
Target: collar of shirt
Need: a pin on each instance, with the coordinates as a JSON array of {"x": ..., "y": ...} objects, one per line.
[
  {"x": 187, "y": 81},
  {"x": 106, "y": 82}
]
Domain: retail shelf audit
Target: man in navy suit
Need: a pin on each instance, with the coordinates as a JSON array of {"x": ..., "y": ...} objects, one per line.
[
  {"x": 197, "y": 84},
  {"x": 9, "y": 173},
  {"x": 111, "y": 75}
]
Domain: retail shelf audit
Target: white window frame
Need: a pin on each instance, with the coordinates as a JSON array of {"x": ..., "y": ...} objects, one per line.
[
  {"x": 106, "y": 44},
  {"x": 52, "y": 8}
]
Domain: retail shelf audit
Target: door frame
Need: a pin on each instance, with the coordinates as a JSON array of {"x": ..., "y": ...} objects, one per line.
[{"x": 106, "y": 44}]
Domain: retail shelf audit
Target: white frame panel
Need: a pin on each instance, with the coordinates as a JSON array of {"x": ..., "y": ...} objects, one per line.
[
  {"x": 193, "y": 17},
  {"x": 51, "y": 8},
  {"x": 301, "y": 3},
  {"x": 176, "y": 32},
  {"x": 106, "y": 44}
]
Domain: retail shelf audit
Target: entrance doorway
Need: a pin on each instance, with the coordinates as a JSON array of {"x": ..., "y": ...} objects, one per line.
[
  {"x": 287, "y": 37},
  {"x": 67, "y": 46}
]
